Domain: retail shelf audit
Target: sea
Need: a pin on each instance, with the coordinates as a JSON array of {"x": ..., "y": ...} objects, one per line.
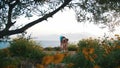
[
  {"x": 49, "y": 43},
  {"x": 41, "y": 43}
]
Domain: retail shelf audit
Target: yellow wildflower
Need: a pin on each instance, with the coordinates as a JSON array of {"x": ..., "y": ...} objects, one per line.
[
  {"x": 40, "y": 66},
  {"x": 94, "y": 56},
  {"x": 118, "y": 67},
  {"x": 87, "y": 57},
  {"x": 91, "y": 50},
  {"x": 96, "y": 66},
  {"x": 58, "y": 58},
  {"x": 47, "y": 60},
  {"x": 10, "y": 66},
  {"x": 70, "y": 65},
  {"x": 118, "y": 47},
  {"x": 87, "y": 51},
  {"x": 91, "y": 59}
]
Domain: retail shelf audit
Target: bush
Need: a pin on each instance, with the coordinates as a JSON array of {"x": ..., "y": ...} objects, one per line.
[
  {"x": 7, "y": 60},
  {"x": 26, "y": 49},
  {"x": 4, "y": 53},
  {"x": 48, "y": 49},
  {"x": 52, "y": 48},
  {"x": 72, "y": 47},
  {"x": 57, "y": 48},
  {"x": 111, "y": 60},
  {"x": 90, "y": 42},
  {"x": 94, "y": 53}
]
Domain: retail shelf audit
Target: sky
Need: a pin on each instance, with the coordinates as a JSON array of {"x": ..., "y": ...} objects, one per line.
[{"x": 63, "y": 23}]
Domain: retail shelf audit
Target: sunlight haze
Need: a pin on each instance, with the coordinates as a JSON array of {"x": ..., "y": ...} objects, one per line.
[{"x": 63, "y": 23}]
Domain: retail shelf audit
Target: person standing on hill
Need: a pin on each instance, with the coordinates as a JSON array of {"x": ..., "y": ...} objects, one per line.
[
  {"x": 63, "y": 43},
  {"x": 65, "y": 46}
]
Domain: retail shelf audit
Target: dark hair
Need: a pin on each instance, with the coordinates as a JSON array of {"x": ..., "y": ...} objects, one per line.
[{"x": 67, "y": 39}]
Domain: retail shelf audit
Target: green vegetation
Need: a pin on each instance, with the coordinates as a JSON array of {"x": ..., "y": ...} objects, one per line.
[
  {"x": 96, "y": 53},
  {"x": 21, "y": 50},
  {"x": 52, "y": 48},
  {"x": 89, "y": 53},
  {"x": 72, "y": 47},
  {"x": 98, "y": 11},
  {"x": 25, "y": 48}
]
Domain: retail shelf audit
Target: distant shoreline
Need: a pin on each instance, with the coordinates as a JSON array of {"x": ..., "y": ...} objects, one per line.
[{"x": 41, "y": 43}]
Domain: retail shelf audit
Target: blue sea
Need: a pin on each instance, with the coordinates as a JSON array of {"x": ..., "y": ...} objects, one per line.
[
  {"x": 41, "y": 43},
  {"x": 4, "y": 45},
  {"x": 49, "y": 43}
]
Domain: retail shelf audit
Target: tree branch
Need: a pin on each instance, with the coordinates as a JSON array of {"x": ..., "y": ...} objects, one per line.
[
  {"x": 9, "y": 22},
  {"x": 45, "y": 17}
]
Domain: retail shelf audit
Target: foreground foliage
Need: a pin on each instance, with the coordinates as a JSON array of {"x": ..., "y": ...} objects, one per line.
[
  {"x": 97, "y": 53},
  {"x": 90, "y": 53},
  {"x": 21, "y": 50}
]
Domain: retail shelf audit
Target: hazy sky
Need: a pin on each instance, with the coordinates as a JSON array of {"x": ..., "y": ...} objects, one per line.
[{"x": 63, "y": 23}]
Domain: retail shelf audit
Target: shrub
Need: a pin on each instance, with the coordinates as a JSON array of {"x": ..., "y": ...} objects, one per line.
[
  {"x": 27, "y": 49},
  {"x": 4, "y": 53},
  {"x": 57, "y": 48},
  {"x": 111, "y": 60},
  {"x": 52, "y": 48},
  {"x": 95, "y": 53},
  {"x": 7, "y": 60},
  {"x": 90, "y": 42},
  {"x": 48, "y": 48},
  {"x": 72, "y": 47}
]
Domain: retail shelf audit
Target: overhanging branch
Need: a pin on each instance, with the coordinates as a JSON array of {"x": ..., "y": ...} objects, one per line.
[
  {"x": 24, "y": 28},
  {"x": 9, "y": 22},
  {"x": 45, "y": 17}
]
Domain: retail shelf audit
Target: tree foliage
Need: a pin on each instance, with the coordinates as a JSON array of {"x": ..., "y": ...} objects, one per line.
[
  {"x": 98, "y": 11},
  {"x": 106, "y": 12},
  {"x": 10, "y": 10}
]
